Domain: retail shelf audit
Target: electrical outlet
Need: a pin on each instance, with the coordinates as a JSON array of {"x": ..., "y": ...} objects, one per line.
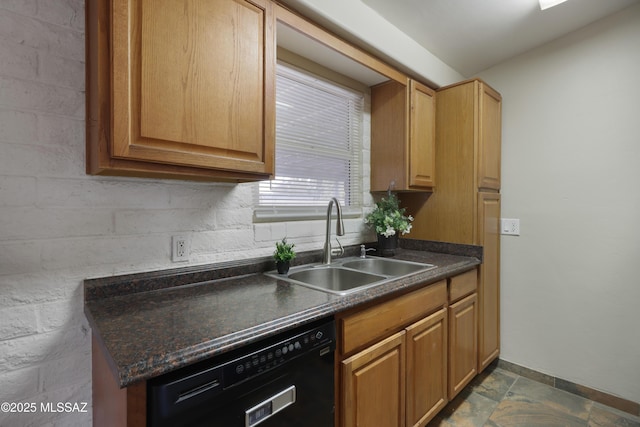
[
  {"x": 510, "y": 226},
  {"x": 179, "y": 248}
]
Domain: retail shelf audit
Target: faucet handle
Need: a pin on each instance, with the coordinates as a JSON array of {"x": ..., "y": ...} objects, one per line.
[
  {"x": 363, "y": 251},
  {"x": 338, "y": 251}
]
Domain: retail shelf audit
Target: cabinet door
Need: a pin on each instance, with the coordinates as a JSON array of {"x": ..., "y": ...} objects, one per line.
[
  {"x": 489, "y": 285},
  {"x": 193, "y": 83},
  {"x": 422, "y": 136},
  {"x": 374, "y": 385},
  {"x": 426, "y": 368},
  {"x": 402, "y": 136},
  {"x": 489, "y": 138},
  {"x": 389, "y": 122},
  {"x": 463, "y": 345}
]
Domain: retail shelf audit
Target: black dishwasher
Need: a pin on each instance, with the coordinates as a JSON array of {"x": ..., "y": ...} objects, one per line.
[{"x": 285, "y": 380}]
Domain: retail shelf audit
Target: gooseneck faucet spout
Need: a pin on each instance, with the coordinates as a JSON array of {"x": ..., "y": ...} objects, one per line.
[{"x": 327, "y": 252}]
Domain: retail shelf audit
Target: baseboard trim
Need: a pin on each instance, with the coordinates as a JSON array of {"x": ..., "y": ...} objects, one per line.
[{"x": 619, "y": 403}]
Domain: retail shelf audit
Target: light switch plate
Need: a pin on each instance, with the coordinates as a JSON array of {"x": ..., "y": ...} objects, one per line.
[{"x": 510, "y": 226}]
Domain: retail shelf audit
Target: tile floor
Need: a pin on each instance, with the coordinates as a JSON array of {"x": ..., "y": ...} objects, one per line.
[{"x": 500, "y": 398}]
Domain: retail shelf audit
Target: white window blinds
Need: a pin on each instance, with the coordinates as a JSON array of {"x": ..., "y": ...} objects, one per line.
[{"x": 318, "y": 143}]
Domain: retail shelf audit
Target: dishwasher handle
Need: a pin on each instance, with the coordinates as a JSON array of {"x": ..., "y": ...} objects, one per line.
[{"x": 269, "y": 407}]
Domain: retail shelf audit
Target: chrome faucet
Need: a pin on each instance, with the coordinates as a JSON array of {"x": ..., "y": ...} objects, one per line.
[{"x": 327, "y": 252}]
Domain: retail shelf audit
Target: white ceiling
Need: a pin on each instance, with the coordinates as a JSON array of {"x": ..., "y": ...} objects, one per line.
[{"x": 473, "y": 35}]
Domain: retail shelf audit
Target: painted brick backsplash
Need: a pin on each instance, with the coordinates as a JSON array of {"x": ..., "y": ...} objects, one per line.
[{"x": 59, "y": 226}]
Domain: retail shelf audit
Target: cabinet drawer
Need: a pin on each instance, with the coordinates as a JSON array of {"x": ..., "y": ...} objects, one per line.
[
  {"x": 378, "y": 321},
  {"x": 463, "y": 284}
]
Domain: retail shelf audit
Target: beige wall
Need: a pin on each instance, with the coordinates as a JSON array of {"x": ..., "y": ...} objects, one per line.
[{"x": 571, "y": 170}]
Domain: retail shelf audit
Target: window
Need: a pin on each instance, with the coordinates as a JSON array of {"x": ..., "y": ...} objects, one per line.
[{"x": 318, "y": 147}]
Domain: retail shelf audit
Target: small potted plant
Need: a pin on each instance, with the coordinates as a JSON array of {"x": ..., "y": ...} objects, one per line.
[
  {"x": 389, "y": 220},
  {"x": 283, "y": 255}
]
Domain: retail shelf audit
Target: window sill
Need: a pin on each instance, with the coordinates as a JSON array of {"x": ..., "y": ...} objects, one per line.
[{"x": 288, "y": 213}]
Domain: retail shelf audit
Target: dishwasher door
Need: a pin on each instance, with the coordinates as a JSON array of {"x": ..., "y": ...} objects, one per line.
[
  {"x": 302, "y": 390},
  {"x": 297, "y": 392}
]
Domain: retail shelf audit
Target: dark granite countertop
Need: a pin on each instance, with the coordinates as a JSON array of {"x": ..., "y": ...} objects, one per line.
[{"x": 153, "y": 323}]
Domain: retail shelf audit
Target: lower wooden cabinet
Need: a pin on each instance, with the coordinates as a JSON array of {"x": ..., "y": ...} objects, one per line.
[
  {"x": 463, "y": 331},
  {"x": 114, "y": 406},
  {"x": 374, "y": 385},
  {"x": 399, "y": 379},
  {"x": 426, "y": 368},
  {"x": 463, "y": 343},
  {"x": 489, "y": 281}
]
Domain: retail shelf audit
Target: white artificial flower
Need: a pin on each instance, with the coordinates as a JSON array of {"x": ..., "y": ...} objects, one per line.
[{"x": 389, "y": 232}]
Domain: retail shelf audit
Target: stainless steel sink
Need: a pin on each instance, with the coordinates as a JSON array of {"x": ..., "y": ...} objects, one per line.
[
  {"x": 334, "y": 279},
  {"x": 351, "y": 274},
  {"x": 386, "y": 267}
]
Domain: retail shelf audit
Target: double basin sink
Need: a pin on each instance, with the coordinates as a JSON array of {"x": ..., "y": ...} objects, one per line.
[{"x": 351, "y": 274}]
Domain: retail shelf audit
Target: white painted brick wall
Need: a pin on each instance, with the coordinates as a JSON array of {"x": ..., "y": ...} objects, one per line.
[
  {"x": 59, "y": 226},
  {"x": 18, "y": 321}
]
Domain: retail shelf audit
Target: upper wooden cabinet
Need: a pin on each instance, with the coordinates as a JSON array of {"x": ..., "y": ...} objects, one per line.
[
  {"x": 181, "y": 89},
  {"x": 469, "y": 124},
  {"x": 489, "y": 112},
  {"x": 402, "y": 137},
  {"x": 468, "y": 129}
]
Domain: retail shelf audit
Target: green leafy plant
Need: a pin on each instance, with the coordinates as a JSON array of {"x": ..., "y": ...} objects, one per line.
[
  {"x": 388, "y": 217},
  {"x": 284, "y": 251}
]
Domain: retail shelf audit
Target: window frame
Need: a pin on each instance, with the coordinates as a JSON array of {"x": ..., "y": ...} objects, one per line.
[{"x": 276, "y": 213}]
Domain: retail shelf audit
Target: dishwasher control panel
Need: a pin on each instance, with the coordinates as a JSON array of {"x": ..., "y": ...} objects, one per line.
[{"x": 269, "y": 357}]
